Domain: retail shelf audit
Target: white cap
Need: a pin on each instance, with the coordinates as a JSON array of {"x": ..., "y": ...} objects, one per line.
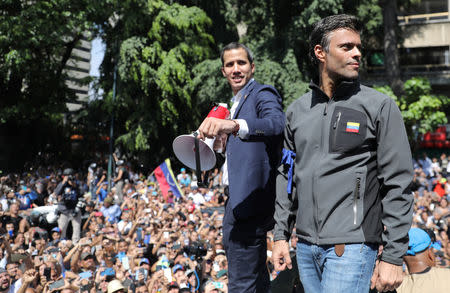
[{"x": 114, "y": 286}]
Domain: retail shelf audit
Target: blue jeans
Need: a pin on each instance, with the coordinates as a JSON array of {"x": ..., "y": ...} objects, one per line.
[{"x": 321, "y": 270}]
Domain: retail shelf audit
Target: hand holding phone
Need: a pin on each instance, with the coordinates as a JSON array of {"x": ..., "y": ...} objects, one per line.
[
  {"x": 168, "y": 274},
  {"x": 57, "y": 284},
  {"x": 47, "y": 273}
]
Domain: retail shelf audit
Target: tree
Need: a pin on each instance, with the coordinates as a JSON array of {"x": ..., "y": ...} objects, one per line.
[
  {"x": 391, "y": 63},
  {"x": 421, "y": 110},
  {"x": 36, "y": 41},
  {"x": 155, "y": 68},
  {"x": 392, "y": 34}
]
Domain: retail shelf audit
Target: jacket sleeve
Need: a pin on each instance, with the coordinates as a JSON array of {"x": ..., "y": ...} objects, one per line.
[
  {"x": 270, "y": 114},
  {"x": 286, "y": 204},
  {"x": 395, "y": 174},
  {"x": 59, "y": 188}
]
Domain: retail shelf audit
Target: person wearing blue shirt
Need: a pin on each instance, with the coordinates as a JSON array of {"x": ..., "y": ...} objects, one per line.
[
  {"x": 26, "y": 196},
  {"x": 110, "y": 211},
  {"x": 102, "y": 191},
  {"x": 183, "y": 178}
]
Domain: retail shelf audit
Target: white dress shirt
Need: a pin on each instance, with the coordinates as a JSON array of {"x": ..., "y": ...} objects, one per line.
[{"x": 243, "y": 128}]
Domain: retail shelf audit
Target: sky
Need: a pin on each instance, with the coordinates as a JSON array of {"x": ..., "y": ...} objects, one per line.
[{"x": 97, "y": 53}]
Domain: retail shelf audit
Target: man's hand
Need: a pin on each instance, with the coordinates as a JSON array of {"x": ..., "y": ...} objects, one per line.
[
  {"x": 29, "y": 276},
  {"x": 212, "y": 127},
  {"x": 280, "y": 255},
  {"x": 386, "y": 277}
]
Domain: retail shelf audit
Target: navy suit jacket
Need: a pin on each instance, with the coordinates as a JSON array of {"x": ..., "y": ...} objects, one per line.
[{"x": 252, "y": 162}]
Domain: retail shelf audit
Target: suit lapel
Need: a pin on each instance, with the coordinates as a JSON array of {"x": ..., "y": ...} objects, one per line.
[{"x": 244, "y": 97}]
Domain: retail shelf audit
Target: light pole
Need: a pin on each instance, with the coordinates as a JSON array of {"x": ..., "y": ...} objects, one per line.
[{"x": 111, "y": 128}]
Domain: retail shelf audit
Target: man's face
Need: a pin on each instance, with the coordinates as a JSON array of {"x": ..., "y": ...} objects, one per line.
[
  {"x": 342, "y": 60},
  {"x": 5, "y": 280},
  {"x": 237, "y": 68},
  {"x": 10, "y": 227},
  {"x": 88, "y": 263},
  {"x": 12, "y": 269},
  {"x": 14, "y": 208},
  {"x": 56, "y": 235},
  {"x": 123, "y": 246}
]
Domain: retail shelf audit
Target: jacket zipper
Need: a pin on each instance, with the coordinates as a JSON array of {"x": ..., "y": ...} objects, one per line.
[
  {"x": 355, "y": 199},
  {"x": 336, "y": 127}
]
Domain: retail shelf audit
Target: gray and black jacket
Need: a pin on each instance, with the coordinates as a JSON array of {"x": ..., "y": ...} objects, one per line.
[{"x": 351, "y": 173}]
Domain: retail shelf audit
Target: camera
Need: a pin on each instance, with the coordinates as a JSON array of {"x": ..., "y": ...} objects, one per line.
[
  {"x": 196, "y": 249},
  {"x": 81, "y": 204}
]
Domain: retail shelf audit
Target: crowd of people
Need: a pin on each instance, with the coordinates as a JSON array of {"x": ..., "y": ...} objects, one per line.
[
  {"x": 431, "y": 209},
  {"x": 139, "y": 241},
  {"x": 146, "y": 241}
]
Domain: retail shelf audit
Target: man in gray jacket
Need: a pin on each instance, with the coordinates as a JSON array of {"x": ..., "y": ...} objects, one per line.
[{"x": 345, "y": 175}]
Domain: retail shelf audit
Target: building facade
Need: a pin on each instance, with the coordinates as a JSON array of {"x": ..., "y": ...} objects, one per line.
[{"x": 424, "y": 46}]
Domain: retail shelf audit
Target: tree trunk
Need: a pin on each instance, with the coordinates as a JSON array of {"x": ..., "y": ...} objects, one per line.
[{"x": 391, "y": 59}]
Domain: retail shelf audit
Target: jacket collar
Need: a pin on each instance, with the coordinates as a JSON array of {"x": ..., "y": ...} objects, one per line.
[
  {"x": 244, "y": 92},
  {"x": 344, "y": 89}
]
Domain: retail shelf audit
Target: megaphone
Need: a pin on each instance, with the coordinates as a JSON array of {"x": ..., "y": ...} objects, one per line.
[
  {"x": 184, "y": 149},
  {"x": 196, "y": 153}
]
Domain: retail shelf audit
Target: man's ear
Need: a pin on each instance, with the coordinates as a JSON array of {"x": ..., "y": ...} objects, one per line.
[
  {"x": 320, "y": 53},
  {"x": 223, "y": 71},
  {"x": 431, "y": 257}
]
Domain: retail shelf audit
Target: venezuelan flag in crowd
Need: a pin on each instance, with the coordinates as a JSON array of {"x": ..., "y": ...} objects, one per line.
[{"x": 167, "y": 181}]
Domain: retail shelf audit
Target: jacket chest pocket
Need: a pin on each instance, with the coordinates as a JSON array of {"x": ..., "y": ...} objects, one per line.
[{"x": 347, "y": 130}]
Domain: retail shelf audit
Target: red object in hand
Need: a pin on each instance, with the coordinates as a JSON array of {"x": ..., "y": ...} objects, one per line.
[{"x": 219, "y": 112}]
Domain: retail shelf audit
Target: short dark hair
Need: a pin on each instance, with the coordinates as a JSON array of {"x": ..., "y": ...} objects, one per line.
[
  {"x": 236, "y": 45},
  {"x": 322, "y": 29}
]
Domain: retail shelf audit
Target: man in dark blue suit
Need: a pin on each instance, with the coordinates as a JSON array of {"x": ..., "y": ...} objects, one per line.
[{"x": 252, "y": 155}]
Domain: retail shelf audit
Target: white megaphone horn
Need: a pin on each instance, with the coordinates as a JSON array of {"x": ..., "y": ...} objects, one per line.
[{"x": 195, "y": 153}]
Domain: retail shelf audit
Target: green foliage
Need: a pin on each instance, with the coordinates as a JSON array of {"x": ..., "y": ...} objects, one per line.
[
  {"x": 209, "y": 86},
  {"x": 36, "y": 41},
  {"x": 285, "y": 77},
  {"x": 156, "y": 65},
  {"x": 385, "y": 89},
  {"x": 420, "y": 108}
]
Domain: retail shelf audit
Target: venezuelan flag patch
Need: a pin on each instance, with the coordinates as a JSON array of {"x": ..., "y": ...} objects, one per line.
[{"x": 352, "y": 127}]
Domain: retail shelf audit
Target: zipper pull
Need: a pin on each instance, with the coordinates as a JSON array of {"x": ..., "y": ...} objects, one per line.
[
  {"x": 358, "y": 184},
  {"x": 325, "y": 111},
  {"x": 355, "y": 198},
  {"x": 338, "y": 118}
]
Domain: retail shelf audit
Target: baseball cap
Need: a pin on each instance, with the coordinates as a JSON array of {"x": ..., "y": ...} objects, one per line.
[
  {"x": 144, "y": 260},
  {"x": 182, "y": 169},
  {"x": 115, "y": 285},
  {"x": 56, "y": 229},
  {"x": 177, "y": 267},
  {"x": 419, "y": 240}
]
